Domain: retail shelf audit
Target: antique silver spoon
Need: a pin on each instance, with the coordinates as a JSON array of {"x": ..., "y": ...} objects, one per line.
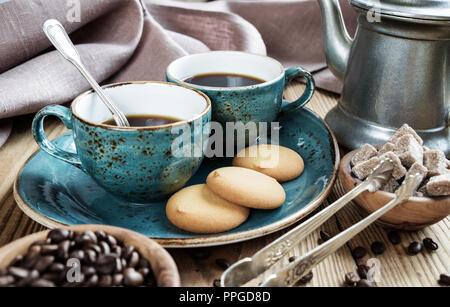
[{"x": 60, "y": 39}]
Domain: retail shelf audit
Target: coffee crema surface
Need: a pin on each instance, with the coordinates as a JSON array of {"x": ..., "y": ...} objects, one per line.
[
  {"x": 223, "y": 80},
  {"x": 146, "y": 120}
]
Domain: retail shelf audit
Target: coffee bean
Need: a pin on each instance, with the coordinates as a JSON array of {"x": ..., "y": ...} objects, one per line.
[
  {"x": 364, "y": 283},
  {"x": 6, "y": 280},
  {"x": 78, "y": 254},
  {"x": 444, "y": 279},
  {"x": 306, "y": 279},
  {"x": 106, "y": 264},
  {"x": 18, "y": 272},
  {"x": 58, "y": 235},
  {"x": 144, "y": 271},
  {"x": 44, "y": 263},
  {"x": 49, "y": 249},
  {"x": 92, "y": 281},
  {"x": 133, "y": 260},
  {"x": 84, "y": 239},
  {"x": 126, "y": 252},
  {"x": 29, "y": 263},
  {"x": 92, "y": 236},
  {"x": 359, "y": 252},
  {"x": 292, "y": 259},
  {"x": 351, "y": 279},
  {"x": 116, "y": 250},
  {"x": 414, "y": 248},
  {"x": 101, "y": 235},
  {"x": 88, "y": 270},
  {"x": 394, "y": 237},
  {"x": 33, "y": 251},
  {"x": 111, "y": 240},
  {"x": 223, "y": 263},
  {"x": 118, "y": 265},
  {"x": 378, "y": 247},
  {"x": 430, "y": 244},
  {"x": 63, "y": 250},
  {"x": 362, "y": 270},
  {"x": 94, "y": 247},
  {"x": 90, "y": 256},
  {"x": 132, "y": 278},
  {"x": 43, "y": 283},
  {"x": 57, "y": 267},
  {"x": 117, "y": 279},
  {"x": 105, "y": 247},
  {"x": 325, "y": 236},
  {"x": 216, "y": 283},
  {"x": 105, "y": 281}
]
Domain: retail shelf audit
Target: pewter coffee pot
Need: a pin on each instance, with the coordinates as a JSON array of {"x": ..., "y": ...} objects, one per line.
[{"x": 396, "y": 70}]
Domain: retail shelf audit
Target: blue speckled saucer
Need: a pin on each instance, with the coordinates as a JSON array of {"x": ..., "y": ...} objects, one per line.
[{"x": 55, "y": 193}]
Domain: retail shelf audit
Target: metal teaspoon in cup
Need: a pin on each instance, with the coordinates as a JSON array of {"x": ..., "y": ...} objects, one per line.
[{"x": 60, "y": 39}]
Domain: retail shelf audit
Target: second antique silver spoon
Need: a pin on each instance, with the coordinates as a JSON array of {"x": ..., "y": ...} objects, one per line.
[{"x": 60, "y": 39}]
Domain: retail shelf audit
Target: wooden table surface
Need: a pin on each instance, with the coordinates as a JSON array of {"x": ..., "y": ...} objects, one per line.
[{"x": 397, "y": 268}]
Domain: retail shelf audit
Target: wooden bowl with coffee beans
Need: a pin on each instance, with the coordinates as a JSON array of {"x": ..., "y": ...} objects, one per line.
[
  {"x": 416, "y": 213},
  {"x": 87, "y": 255}
]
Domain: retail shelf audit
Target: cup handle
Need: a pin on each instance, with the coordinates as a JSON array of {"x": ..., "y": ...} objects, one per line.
[
  {"x": 291, "y": 74},
  {"x": 65, "y": 115}
]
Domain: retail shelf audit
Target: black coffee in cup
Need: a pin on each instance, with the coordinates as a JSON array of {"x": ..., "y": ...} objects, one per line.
[{"x": 223, "y": 80}]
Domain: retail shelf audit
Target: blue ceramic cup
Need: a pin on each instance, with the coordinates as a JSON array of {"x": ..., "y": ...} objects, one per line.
[
  {"x": 256, "y": 103},
  {"x": 135, "y": 163}
]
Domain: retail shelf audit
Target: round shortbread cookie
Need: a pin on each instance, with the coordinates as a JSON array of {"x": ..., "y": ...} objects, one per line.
[
  {"x": 278, "y": 162},
  {"x": 246, "y": 187},
  {"x": 197, "y": 209}
]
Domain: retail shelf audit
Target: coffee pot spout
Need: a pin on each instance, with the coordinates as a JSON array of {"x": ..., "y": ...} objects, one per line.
[{"x": 337, "y": 41}]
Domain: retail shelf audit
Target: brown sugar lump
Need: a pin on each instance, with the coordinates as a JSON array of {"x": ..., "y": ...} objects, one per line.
[
  {"x": 390, "y": 186},
  {"x": 197, "y": 209},
  {"x": 405, "y": 130},
  {"x": 409, "y": 150},
  {"x": 398, "y": 169},
  {"x": 363, "y": 154},
  {"x": 417, "y": 168},
  {"x": 363, "y": 169},
  {"x": 388, "y": 147},
  {"x": 246, "y": 187},
  {"x": 436, "y": 163},
  {"x": 439, "y": 185},
  {"x": 278, "y": 162}
]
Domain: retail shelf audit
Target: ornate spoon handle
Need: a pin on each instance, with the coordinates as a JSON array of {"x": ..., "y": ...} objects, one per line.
[{"x": 291, "y": 273}]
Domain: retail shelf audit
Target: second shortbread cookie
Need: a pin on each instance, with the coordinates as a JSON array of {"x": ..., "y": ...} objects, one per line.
[
  {"x": 278, "y": 162},
  {"x": 246, "y": 187}
]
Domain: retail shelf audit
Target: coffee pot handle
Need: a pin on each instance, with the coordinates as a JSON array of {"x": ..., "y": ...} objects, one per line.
[
  {"x": 291, "y": 74},
  {"x": 65, "y": 115}
]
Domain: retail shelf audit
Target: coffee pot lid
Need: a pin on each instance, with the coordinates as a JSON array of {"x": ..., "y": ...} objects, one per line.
[{"x": 429, "y": 10}]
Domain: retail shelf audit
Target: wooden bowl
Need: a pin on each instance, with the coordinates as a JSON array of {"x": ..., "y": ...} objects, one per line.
[
  {"x": 416, "y": 213},
  {"x": 163, "y": 266}
]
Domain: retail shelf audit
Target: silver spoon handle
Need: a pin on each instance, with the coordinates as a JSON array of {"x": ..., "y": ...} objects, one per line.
[
  {"x": 60, "y": 39},
  {"x": 292, "y": 272}
]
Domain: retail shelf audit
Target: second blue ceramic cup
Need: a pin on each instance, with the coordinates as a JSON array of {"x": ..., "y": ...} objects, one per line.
[{"x": 256, "y": 103}]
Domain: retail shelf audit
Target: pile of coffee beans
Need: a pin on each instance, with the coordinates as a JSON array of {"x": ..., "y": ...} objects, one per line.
[{"x": 103, "y": 262}]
